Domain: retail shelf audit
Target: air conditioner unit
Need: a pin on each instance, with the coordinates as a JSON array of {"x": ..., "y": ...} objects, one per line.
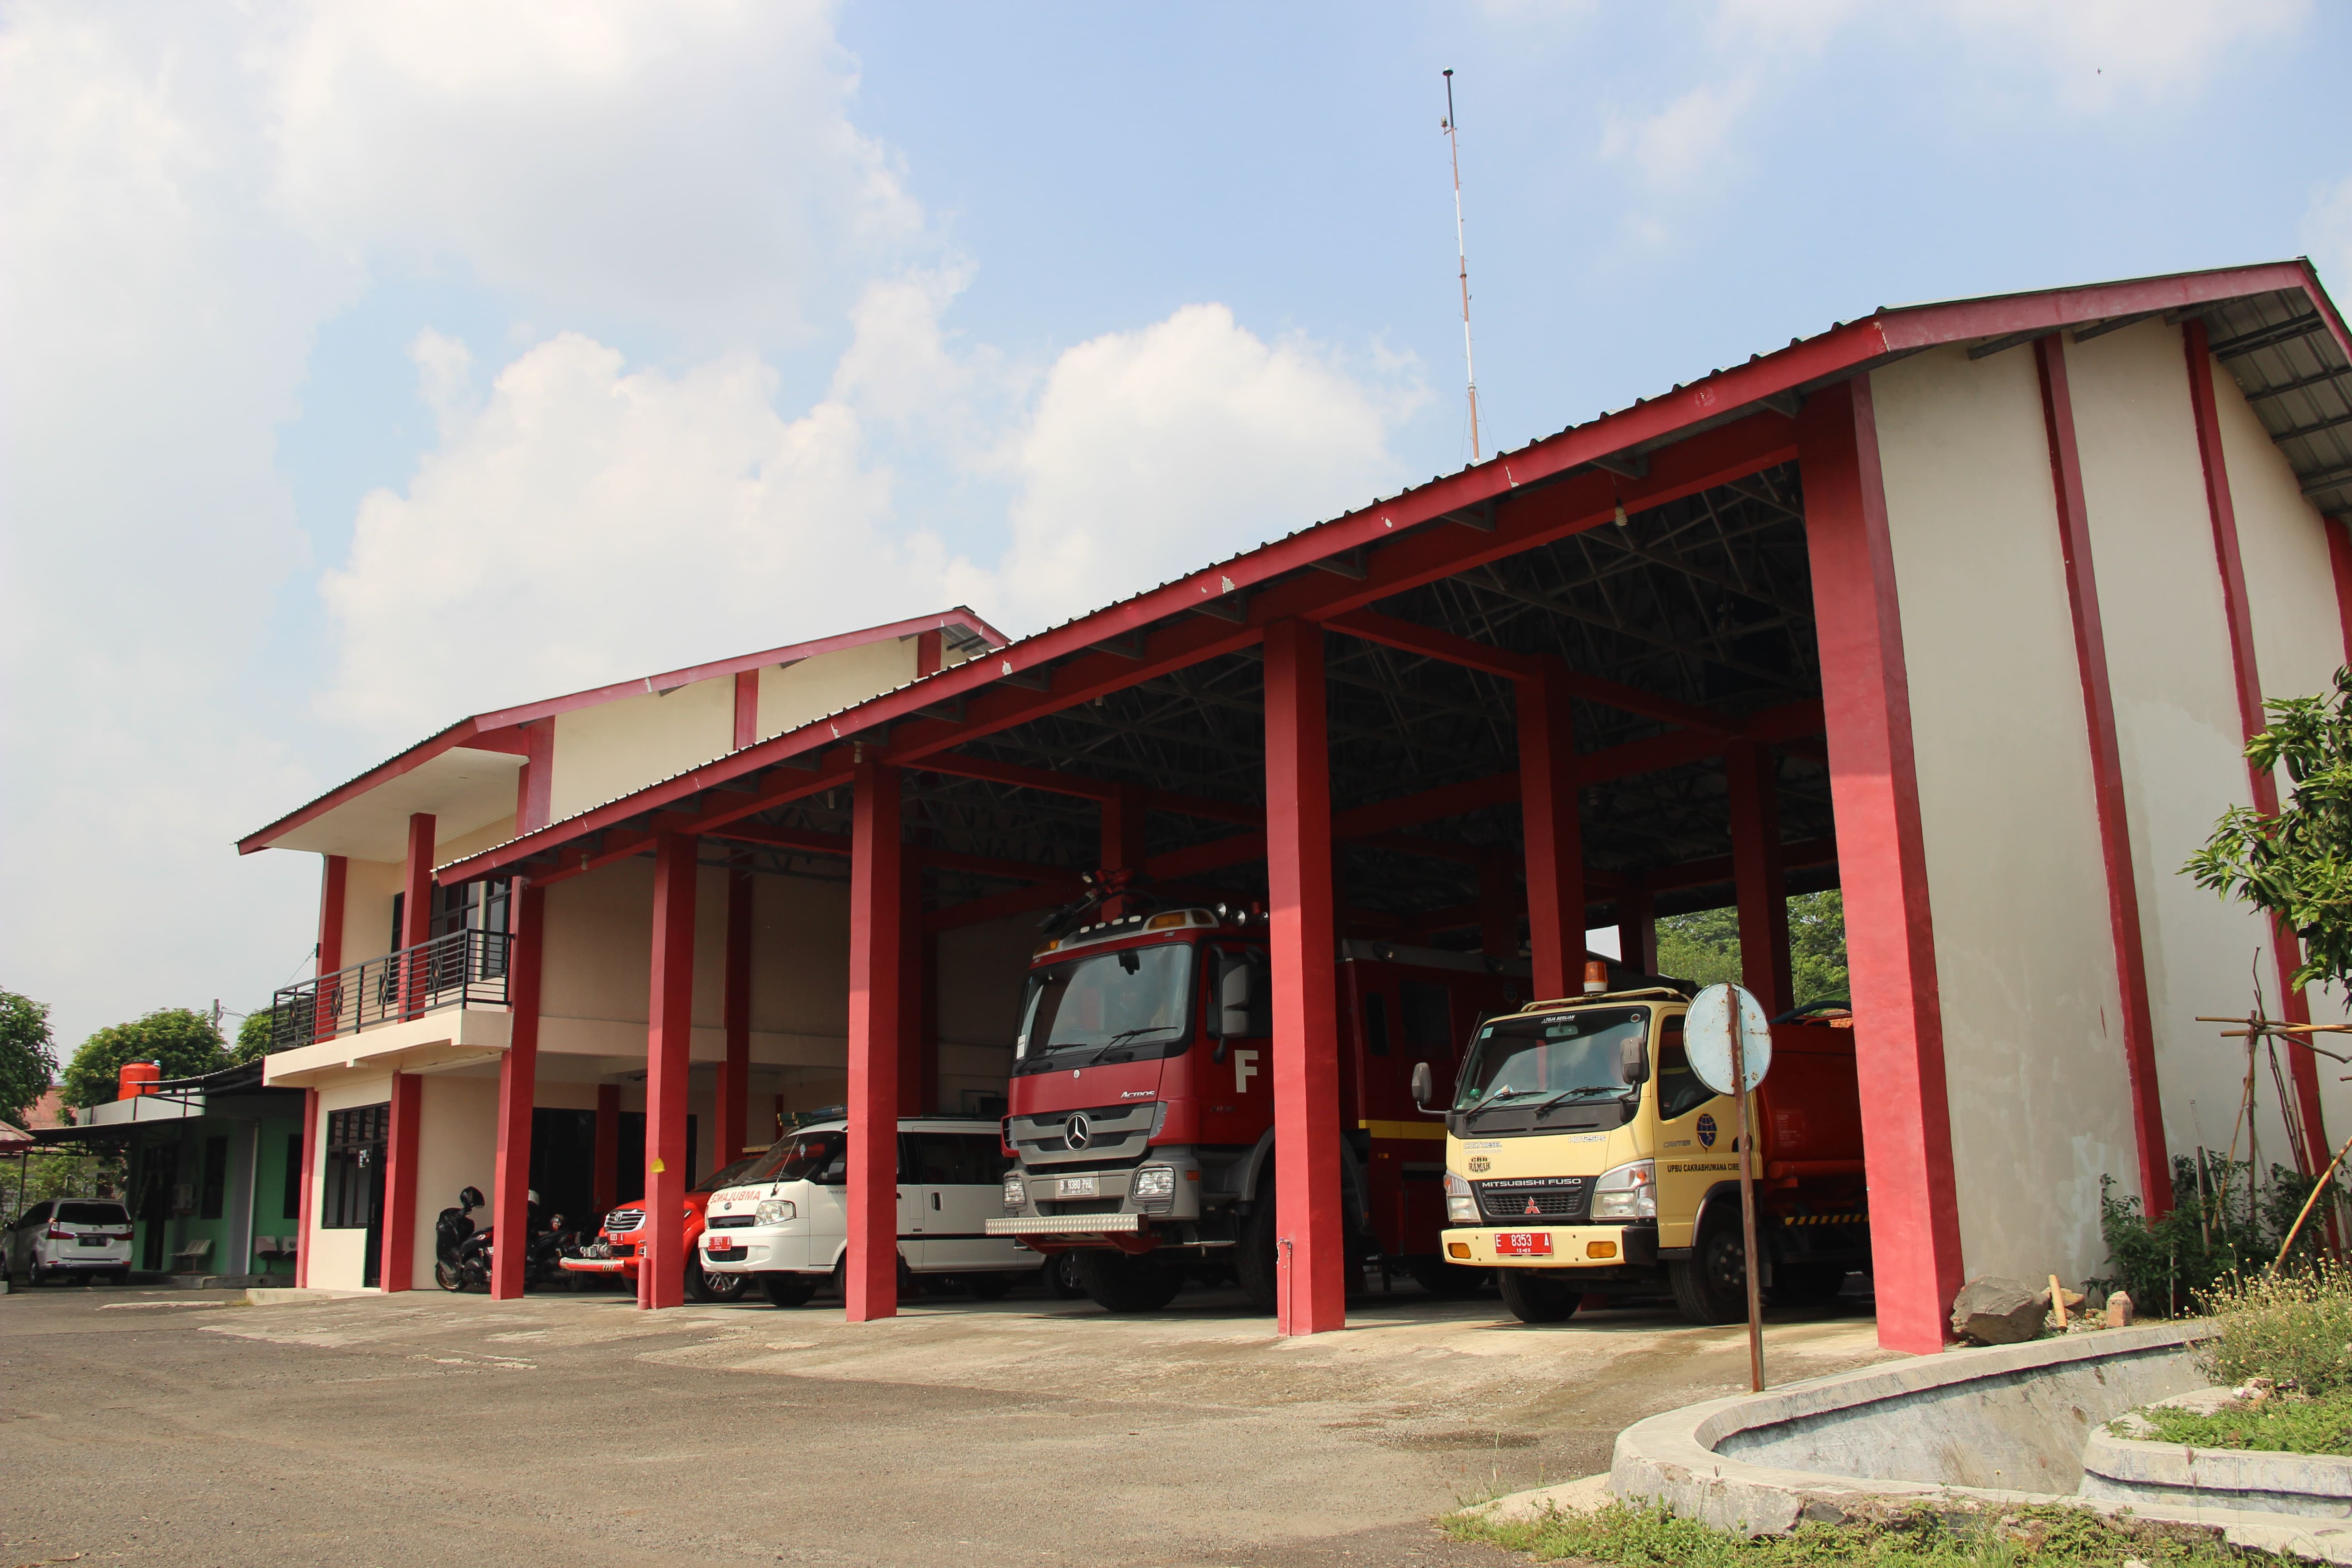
[{"x": 183, "y": 1197}]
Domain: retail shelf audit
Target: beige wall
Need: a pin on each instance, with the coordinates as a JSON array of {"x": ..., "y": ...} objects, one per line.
[
  {"x": 457, "y": 1146},
  {"x": 2176, "y": 709},
  {"x": 606, "y": 751},
  {"x": 2025, "y": 963},
  {"x": 980, "y": 975},
  {"x": 791, "y": 695},
  {"x": 338, "y": 1258}
]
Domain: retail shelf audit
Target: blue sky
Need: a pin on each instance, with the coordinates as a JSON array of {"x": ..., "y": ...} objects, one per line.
[{"x": 367, "y": 366}]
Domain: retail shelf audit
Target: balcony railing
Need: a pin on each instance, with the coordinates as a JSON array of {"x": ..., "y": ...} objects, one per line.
[{"x": 464, "y": 969}]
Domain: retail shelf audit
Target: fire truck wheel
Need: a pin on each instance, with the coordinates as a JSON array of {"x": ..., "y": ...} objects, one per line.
[
  {"x": 1711, "y": 1286},
  {"x": 1061, "y": 1276},
  {"x": 1535, "y": 1296},
  {"x": 1118, "y": 1283},
  {"x": 788, "y": 1290},
  {"x": 988, "y": 1287},
  {"x": 1448, "y": 1282},
  {"x": 1255, "y": 1265},
  {"x": 1806, "y": 1284}
]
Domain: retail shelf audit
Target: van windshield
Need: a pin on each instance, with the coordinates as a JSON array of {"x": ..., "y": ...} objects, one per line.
[
  {"x": 727, "y": 1177},
  {"x": 1108, "y": 1006},
  {"x": 1544, "y": 1068},
  {"x": 800, "y": 1158}
]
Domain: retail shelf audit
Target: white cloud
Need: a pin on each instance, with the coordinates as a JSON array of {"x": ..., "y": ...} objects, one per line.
[
  {"x": 1686, "y": 139},
  {"x": 2326, "y": 232},
  {"x": 690, "y": 163},
  {"x": 1153, "y": 452}
]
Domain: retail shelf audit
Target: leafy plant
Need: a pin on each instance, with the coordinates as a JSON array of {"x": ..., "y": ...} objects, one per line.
[
  {"x": 1703, "y": 947},
  {"x": 29, "y": 1057},
  {"x": 2223, "y": 1223},
  {"x": 183, "y": 1043},
  {"x": 2297, "y": 863}
]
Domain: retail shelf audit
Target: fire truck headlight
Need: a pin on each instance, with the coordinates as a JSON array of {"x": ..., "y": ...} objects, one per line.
[
  {"x": 1153, "y": 1184},
  {"x": 1628, "y": 1192},
  {"x": 774, "y": 1211},
  {"x": 1461, "y": 1203},
  {"x": 1014, "y": 1193}
]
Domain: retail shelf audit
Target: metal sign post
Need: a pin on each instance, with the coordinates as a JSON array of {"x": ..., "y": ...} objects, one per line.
[{"x": 1729, "y": 1043}]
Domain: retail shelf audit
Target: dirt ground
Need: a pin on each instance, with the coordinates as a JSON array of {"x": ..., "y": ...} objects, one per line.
[{"x": 189, "y": 1427}]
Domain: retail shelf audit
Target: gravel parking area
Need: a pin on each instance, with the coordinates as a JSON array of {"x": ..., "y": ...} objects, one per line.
[{"x": 192, "y": 1428}]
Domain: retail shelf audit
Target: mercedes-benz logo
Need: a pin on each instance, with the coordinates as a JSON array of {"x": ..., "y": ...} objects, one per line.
[{"x": 1075, "y": 1131}]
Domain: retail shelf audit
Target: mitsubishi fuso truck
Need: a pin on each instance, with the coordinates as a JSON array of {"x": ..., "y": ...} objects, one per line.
[
  {"x": 1584, "y": 1158},
  {"x": 1141, "y": 1102}
]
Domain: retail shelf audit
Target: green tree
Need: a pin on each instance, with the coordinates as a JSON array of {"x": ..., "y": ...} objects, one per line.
[
  {"x": 29, "y": 1057},
  {"x": 2296, "y": 864},
  {"x": 253, "y": 1037},
  {"x": 1703, "y": 947},
  {"x": 183, "y": 1043}
]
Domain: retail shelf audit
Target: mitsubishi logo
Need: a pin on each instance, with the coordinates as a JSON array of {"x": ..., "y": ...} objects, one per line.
[
  {"x": 1075, "y": 1133},
  {"x": 1531, "y": 1207}
]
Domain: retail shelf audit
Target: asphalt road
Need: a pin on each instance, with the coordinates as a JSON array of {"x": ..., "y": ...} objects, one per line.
[{"x": 146, "y": 1426}]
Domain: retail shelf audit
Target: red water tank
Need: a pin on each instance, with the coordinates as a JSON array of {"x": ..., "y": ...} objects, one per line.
[{"x": 136, "y": 1078}]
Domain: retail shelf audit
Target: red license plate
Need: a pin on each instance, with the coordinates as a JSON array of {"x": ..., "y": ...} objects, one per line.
[
  {"x": 1523, "y": 1244},
  {"x": 723, "y": 1244}
]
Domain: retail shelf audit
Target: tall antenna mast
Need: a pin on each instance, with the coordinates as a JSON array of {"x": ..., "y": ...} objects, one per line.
[{"x": 1461, "y": 252}]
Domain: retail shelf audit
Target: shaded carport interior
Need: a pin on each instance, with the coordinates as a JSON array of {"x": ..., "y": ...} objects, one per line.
[{"x": 1684, "y": 640}]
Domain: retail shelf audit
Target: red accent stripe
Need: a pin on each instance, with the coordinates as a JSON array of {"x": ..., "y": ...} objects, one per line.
[
  {"x": 2107, "y": 775},
  {"x": 1881, "y": 863},
  {"x": 396, "y": 1265},
  {"x": 334, "y": 884},
  {"x": 2286, "y": 949},
  {"x": 747, "y": 705},
  {"x": 310, "y": 1187}
]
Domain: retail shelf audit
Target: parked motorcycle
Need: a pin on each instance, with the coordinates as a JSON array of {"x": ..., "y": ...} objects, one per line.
[{"x": 461, "y": 1256}]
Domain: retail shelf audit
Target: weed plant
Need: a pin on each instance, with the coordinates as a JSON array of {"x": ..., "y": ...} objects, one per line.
[
  {"x": 2294, "y": 1328},
  {"x": 2222, "y": 1222},
  {"x": 2285, "y": 1425},
  {"x": 1913, "y": 1538}
]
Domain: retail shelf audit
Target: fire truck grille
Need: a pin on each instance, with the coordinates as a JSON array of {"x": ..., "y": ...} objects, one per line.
[
  {"x": 1550, "y": 1198},
  {"x": 621, "y": 1220}
]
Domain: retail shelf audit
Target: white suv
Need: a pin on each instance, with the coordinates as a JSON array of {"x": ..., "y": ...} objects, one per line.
[
  {"x": 786, "y": 1220},
  {"x": 63, "y": 1237}
]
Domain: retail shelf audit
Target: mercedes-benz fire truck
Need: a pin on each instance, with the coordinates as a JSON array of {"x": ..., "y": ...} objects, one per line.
[{"x": 1141, "y": 1102}]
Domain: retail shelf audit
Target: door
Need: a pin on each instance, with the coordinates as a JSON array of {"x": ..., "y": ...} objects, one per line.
[
  {"x": 956, "y": 1181},
  {"x": 1696, "y": 1128}
]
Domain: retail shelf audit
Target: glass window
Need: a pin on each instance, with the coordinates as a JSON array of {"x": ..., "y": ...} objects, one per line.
[
  {"x": 1079, "y": 1011},
  {"x": 955, "y": 1159},
  {"x": 1559, "y": 1057},
  {"x": 803, "y": 1157},
  {"x": 293, "y": 1176},
  {"x": 1376, "y": 1024},
  {"x": 354, "y": 1173},
  {"x": 728, "y": 1175},
  {"x": 1680, "y": 1092},
  {"x": 1428, "y": 1012},
  {"x": 92, "y": 1213}
]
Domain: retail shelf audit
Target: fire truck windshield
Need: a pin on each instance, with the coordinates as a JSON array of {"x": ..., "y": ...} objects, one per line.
[{"x": 1107, "y": 1007}]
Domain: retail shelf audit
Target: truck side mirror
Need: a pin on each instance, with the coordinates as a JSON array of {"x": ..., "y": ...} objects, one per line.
[
  {"x": 1424, "y": 1085},
  {"x": 1632, "y": 1061},
  {"x": 1244, "y": 1009}
]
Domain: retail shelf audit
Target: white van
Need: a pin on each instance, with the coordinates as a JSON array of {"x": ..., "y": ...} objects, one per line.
[{"x": 785, "y": 1222}]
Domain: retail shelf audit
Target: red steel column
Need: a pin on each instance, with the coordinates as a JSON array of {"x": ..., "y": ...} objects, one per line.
[
  {"x": 518, "y": 1089},
  {"x": 1757, "y": 877},
  {"x": 731, "y": 1108},
  {"x": 1637, "y": 928},
  {"x": 608, "y": 1148},
  {"x": 1882, "y": 863},
  {"x": 1311, "y": 1229},
  {"x": 535, "y": 781},
  {"x": 2286, "y": 948},
  {"x": 334, "y": 882},
  {"x": 2339, "y": 564},
  {"x": 310, "y": 1187},
  {"x": 1122, "y": 839},
  {"x": 919, "y": 1063},
  {"x": 661, "y": 1254},
  {"x": 1554, "y": 836},
  {"x": 2107, "y": 775},
  {"x": 397, "y": 1264},
  {"x": 747, "y": 707},
  {"x": 416, "y": 907},
  {"x": 928, "y": 654},
  {"x": 874, "y": 892}
]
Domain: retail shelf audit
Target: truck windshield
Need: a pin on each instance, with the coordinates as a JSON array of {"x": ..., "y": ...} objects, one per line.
[
  {"x": 1109, "y": 1007},
  {"x": 1538, "y": 1067}
]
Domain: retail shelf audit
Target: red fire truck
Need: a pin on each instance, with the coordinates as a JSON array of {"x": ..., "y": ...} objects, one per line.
[{"x": 1141, "y": 1102}]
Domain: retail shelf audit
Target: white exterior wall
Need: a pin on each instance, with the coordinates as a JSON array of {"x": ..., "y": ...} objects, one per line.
[
  {"x": 2175, "y": 712},
  {"x": 2025, "y": 963}
]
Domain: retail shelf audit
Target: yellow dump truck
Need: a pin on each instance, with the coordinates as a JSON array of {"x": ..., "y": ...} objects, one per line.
[{"x": 1584, "y": 1158}]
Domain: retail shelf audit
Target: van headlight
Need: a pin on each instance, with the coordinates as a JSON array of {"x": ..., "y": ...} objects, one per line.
[
  {"x": 1628, "y": 1192},
  {"x": 1016, "y": 1194},
  {"x": 1461, "y": 1203},
  {"x": 774, "y": 1211},
  {"x": 1153, "y": 1184}
]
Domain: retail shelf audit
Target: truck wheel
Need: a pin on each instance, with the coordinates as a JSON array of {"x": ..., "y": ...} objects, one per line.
[
  {"x": 788, "y": 1290},
  {"x": 1711, "y": 1285},
  {"x": 1446, "y": 1281},
  {"x": 988, "y": 1287},
  {"x": 1255, "y": 1268},
  {"x": 1118, "y": 1283},
  {"x": 1061, "y": 1276},
  {"x": 1805, "y": 1284},
  {"x": 1535, "y": 1296}
]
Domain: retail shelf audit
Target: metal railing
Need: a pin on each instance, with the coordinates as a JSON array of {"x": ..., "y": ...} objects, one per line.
[{"x": 462, "y": 969}]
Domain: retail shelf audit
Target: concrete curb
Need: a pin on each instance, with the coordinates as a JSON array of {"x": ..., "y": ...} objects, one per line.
[
  {"x": 294, "y": 1295},
  {"x": 2175, "y": 1475}
]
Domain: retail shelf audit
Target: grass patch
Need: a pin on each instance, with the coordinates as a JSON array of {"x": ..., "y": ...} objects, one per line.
[
  {"x": 2280, "y": 1424},
  {"x": 1916, "y": 1537}
]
